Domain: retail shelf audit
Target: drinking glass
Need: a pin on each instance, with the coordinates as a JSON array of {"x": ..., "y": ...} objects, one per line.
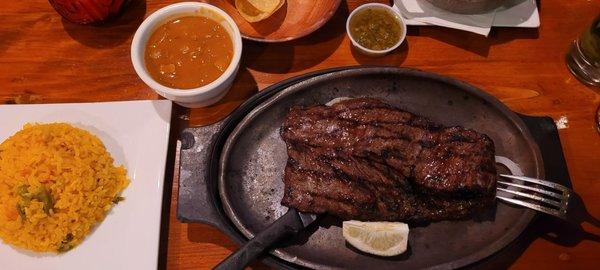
[{"x": 583, "y": 58}]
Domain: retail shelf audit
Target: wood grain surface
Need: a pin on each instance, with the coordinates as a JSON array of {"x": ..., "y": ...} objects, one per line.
[{"x": 44, "y": 59}]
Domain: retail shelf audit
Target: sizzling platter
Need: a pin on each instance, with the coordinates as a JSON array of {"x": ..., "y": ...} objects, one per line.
[{"x": 253, "y": 159}]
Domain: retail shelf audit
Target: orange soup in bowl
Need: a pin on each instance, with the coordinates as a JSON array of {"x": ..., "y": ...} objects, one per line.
[{"x": 188, "y": 52}]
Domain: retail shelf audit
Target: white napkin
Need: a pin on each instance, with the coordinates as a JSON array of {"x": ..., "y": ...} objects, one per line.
[{"x": 423, "y": 11}]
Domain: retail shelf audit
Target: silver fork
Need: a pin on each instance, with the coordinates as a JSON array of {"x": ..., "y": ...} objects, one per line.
[{"x": 544, "y": 196}]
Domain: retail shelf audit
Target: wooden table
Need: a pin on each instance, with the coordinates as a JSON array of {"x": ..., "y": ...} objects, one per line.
[{"x": 45, "y": 59}]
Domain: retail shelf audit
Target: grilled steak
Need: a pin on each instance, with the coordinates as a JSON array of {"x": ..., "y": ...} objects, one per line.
[{"x": 364, "y": 159}]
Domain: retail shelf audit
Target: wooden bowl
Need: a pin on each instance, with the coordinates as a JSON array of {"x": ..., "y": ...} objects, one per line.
[
  {"x": 467, "y": 6},
  {"x": 295, "y": 19}
]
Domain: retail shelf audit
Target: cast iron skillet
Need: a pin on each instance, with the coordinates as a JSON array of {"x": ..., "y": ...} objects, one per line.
[{"x": 252, "y": 161}]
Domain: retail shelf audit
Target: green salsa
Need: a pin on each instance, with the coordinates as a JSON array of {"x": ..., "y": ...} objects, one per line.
[{"x": 375, "y": 28}]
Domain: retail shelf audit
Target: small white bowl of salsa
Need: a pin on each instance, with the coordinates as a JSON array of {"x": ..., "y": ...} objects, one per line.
[
  {"x": 188, "y": 52},
  {"x": 375, "y": 29}
]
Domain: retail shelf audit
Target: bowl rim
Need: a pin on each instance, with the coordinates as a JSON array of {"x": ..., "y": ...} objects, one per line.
[
  {"x": 390, "y": 9},
  {"x": 157, "y": 18}
]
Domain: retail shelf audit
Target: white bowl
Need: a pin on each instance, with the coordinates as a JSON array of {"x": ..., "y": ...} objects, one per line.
[
  {"x": 195, "y": 97},
  {"x": 368, "y": 51}
]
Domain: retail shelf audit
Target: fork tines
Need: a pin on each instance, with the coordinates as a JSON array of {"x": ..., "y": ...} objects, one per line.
[{"x": 543, "y": 196}]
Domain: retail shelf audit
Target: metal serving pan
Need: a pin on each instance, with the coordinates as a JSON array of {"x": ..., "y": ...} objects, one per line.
[{"x": 243, "y": 188}]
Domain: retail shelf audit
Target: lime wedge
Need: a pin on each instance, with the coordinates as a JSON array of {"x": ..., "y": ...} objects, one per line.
[{"x": 378, "y": 238}]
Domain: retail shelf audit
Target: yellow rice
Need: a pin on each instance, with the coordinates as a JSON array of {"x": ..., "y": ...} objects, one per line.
[{"x": 56, "y": 183}]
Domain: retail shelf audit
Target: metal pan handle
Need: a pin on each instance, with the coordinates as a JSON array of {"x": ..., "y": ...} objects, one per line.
[
  {"x": 195, "y": 203},
  {"x": 287, "y": 225},
  {"x": 544, "y": 132}
]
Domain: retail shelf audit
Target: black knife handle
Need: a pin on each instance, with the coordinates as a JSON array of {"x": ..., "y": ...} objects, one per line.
[{"x": 286, "y": 225}]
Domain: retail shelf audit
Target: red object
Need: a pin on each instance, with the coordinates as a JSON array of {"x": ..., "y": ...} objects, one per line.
[{"x": 87, "y": 11}]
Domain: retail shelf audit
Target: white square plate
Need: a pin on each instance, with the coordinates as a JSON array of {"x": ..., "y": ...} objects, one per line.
[{"x": 136, "y": 133}]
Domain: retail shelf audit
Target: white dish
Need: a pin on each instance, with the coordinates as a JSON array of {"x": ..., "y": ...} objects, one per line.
[
  {"x": 368, "y": 51},
  {"x": 136, "y": 133},
  {"x": 196, "y": 97},
  {"x": 523, "y": 15}
]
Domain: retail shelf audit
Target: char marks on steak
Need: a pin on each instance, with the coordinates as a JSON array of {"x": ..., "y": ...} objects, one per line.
[{"x": 364, "y": 159}]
